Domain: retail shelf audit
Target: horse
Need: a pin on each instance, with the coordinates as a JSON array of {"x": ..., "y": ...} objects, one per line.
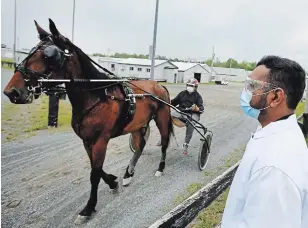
[{"x": 100, "y": 111}]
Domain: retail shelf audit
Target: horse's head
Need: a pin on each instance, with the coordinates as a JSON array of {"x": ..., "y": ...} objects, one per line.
[{"x": 49, "y": 59}]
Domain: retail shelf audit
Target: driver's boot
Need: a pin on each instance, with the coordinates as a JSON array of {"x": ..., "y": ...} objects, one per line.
[{"x": 185, "y": 148}]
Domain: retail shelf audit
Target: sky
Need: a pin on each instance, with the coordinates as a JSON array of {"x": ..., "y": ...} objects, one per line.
[{"x": 239, "y": 29}]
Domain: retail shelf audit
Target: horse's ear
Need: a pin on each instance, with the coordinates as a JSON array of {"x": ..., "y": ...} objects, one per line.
[
  {"x": 54, "y": 31},
  {"x": 42, "y": 33}
]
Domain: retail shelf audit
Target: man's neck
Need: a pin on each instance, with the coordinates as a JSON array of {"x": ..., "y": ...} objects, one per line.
[{"x": 266, "y": 120}]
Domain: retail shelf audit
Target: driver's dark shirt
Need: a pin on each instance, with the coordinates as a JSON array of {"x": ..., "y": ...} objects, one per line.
[{"x": 186, "y": 100}]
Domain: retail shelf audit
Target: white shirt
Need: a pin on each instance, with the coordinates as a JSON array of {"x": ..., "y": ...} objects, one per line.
[{"x": 270, "y": 187}]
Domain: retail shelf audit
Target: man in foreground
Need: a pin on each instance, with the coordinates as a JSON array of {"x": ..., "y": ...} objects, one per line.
[{"x": 270, "y": 187}]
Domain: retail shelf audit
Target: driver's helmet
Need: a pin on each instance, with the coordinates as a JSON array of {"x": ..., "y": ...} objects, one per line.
[{"x": 192, "y": 82}]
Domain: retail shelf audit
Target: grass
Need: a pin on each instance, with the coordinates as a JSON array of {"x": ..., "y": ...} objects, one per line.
[
  {"x": 300, "y": 108},
  {"x": 5, "y": 66},
  {"x": 227, "y": 162},
  {"x": 212, "y": 215},
  {"x": 189, "y": 191},
  {"x": 26, "y": 120},
  {"x": 7, "y": 60}
]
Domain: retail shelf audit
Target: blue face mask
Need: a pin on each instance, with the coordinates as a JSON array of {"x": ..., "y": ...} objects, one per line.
[{"x": 245, "y": 105}]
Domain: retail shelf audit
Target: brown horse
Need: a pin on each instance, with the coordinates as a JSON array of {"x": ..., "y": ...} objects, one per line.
[{"x": 100, "y": 111}]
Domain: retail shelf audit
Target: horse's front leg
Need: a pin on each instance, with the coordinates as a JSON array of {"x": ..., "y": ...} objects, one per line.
[{"x": 97, "y": 157}]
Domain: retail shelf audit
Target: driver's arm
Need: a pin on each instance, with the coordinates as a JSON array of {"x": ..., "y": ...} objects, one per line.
[
  {"x": 175, "y": 101},
  {"x": 200, "y": 103}
]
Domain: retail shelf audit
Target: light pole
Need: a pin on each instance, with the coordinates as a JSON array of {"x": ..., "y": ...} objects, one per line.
[
  {"x": 154, "y": 41},
  {"x": 212, "y": 63},
  {"x": 14, "y": 45},
  {"x": 73, "y": 21}
]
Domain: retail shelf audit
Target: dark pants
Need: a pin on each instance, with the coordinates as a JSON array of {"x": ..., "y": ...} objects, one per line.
[
  {"x": 189, "y": 128},
  {"x": 53, "y": 110}
]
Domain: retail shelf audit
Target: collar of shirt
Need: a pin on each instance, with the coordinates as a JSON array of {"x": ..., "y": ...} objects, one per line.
[{"x": 276, "y": 126}]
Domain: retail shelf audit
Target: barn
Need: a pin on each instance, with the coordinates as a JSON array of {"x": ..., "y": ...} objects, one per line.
[
  {"x": 192, "y": 70},
  {"x": 20, "y": 54},
  {"x": 140, "y": 68},
  {"x": 230, "y": 74},
  {"x": 211, "y": 70}
]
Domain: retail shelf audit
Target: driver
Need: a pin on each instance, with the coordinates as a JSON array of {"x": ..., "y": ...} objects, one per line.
[{"x": 191, "y": 102}]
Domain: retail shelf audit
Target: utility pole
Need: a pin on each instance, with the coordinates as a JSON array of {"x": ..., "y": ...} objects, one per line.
[
  {"x": 154, "y": 41},
  {"x": 212, "y": 63},
  {"x": 14, "y": 45},
  {"x": 150, "y": 52},
  {"x": 73, "y": 21},
  {"x": 230, "y": 67}
]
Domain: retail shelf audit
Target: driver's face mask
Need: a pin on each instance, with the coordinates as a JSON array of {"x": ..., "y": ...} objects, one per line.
[
  {"x": 190, "y": 89},
  {"x": 251, "y": 86}
]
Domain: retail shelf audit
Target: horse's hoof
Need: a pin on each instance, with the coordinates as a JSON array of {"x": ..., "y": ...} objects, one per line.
[
  {"x": 81, "y": 219},
  {"x": 115, "y": 190},
  {"x": 126, "y": 181},
  {"x": 159, "y": 173}
]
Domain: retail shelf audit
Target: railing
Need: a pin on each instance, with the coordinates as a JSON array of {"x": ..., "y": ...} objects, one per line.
[{"x": 186, "y": 212}]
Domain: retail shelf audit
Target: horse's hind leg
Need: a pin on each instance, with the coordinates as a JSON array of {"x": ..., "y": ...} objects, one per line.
[
  {"x": 164, "y": 124},
  {"x": 130, "y": 169}
]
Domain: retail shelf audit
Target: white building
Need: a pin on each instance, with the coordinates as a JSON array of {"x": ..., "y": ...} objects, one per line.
[
  {"x": 192, "y": 70},
  {"x": 230, "y": 74},
  {"x": 139, "y": 68},
  {"x": 7, "y": 53},
  {"x": 211, "y": 70}
]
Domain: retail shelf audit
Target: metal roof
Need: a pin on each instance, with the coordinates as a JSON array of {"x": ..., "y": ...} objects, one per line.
[
  {"x": 207, "y": 67},
  {"x": 142, "y": 62},
  {"x": 183, "y": 66},
  {"x": 130, "y": 61},
  {"x": 233, "y": 71}
]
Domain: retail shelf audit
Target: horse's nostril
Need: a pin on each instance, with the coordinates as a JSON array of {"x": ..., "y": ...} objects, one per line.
[{"x": 15, "y": 94}]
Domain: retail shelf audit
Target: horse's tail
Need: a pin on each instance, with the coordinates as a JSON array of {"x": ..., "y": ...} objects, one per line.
[{"x": 170, "y": 122}]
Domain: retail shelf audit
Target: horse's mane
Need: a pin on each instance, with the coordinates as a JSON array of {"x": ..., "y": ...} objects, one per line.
[{"x": 90, "y": 71}]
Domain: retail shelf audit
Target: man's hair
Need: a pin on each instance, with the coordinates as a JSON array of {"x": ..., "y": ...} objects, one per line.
[{"x": 288, "y": 75}]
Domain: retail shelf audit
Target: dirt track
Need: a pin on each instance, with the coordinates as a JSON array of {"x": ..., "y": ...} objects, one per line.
[{"x": 45, "y": 179}]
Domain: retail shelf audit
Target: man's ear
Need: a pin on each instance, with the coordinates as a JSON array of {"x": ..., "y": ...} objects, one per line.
[
  {"x": 42, "y": 33},
  {"x": 277, "y": 98}
]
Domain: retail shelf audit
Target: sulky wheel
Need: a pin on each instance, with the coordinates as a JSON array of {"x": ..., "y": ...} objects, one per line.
[
  {"x": 204, "y": 151},
  {"x": 146, "y": 133}
]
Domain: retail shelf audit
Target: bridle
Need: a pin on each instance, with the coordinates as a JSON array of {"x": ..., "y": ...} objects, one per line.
[
  {"x": 51, "y": 51},
  {"x": 53, "y": 56}
]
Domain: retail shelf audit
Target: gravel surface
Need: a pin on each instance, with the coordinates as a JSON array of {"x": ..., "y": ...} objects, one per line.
[{"x": 45, "y": 179}]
